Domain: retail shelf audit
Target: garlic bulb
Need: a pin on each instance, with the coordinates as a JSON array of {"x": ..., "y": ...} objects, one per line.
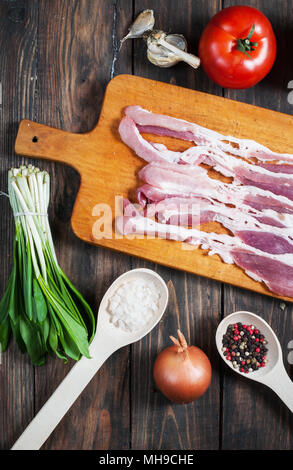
[
  {"x": 163, "y": 50},
  {"x": 167, "y": 50},
  {"x": 162, "y": 57}
]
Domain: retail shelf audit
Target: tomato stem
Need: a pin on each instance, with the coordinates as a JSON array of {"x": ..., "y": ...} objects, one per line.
[{"x": 246, "y": 45}]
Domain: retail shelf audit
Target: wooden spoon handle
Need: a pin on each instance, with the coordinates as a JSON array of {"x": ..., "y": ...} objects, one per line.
[
  {"x": 60, "y": 401},
  {"x": 40, "y": 141},
  {"x": 282, "y": 385}
]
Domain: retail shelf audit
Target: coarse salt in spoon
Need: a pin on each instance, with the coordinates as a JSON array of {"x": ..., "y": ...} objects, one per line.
[
  {"x": 108, "y": 339},
  {"x": 273, "y": 374}
]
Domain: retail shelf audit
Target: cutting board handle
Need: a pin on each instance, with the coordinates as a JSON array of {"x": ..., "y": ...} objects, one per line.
[{"x": 40, "y": 141}]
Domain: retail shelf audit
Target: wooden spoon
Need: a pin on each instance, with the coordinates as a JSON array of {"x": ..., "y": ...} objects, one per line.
[
  {"x": 108, "y": 338},
  {"x": 273, "y": 374}
]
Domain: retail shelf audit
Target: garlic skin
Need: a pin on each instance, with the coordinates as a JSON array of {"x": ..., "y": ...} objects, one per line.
[
  {"x": 143, "y": 23},
  {"x": 163, "y": 57}
]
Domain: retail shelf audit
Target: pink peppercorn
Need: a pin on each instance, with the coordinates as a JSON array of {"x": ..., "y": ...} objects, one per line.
[{"x": 244, "y": 339}]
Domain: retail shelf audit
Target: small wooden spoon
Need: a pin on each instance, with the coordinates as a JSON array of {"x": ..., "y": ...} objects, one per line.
[
  {"x": 273, "y": 374},
  {"x": 108, "y": 338}
]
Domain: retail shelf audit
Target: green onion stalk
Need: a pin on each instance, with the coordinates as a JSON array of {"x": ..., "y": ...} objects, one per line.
[{"x": 40, "y": 307}]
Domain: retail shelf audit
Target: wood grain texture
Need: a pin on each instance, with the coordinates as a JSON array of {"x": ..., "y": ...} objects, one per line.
[
  {"x": 263, "y": 422},
  {"x": 195, "y": 302},
  {"x": 18, "y": 26},
  {"x": 109, "y": 169},
  {"x": 56, "y": 58},
  {"x": 80, "y": 38},
  {"x": 63, "y": 57}
]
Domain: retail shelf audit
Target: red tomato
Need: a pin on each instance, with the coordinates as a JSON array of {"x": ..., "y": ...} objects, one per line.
[{"x": 238, "y": 47}]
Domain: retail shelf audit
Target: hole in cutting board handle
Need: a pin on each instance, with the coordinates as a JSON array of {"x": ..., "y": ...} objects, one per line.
[{"x": 35, "y": 139}]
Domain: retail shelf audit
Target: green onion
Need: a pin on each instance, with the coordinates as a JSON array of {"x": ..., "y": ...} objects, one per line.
[{"x": 41, "y": 307}]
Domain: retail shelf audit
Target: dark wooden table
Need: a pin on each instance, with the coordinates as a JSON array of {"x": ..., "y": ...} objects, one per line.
[{"x": 56, "y": 58}]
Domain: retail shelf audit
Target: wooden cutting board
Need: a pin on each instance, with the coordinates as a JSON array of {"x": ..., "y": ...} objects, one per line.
[{"x": 108, "y": 168}]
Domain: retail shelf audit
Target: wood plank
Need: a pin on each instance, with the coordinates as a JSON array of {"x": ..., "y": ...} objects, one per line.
[
  {"x": 76, "y": 49},
  {"x": 65, "y": 55},
  {"x": 18, "y": 30},
  {"x": 195, "y": 303},
  {"x": 253, "y": 417},
  {"x": 109, "y": 169}
]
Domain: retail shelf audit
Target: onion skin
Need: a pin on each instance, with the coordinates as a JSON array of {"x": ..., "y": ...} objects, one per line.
[{"x": 182, "y": 374}]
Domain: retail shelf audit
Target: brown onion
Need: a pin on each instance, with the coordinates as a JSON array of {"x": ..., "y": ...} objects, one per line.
[{"x": 181, "y": 372}]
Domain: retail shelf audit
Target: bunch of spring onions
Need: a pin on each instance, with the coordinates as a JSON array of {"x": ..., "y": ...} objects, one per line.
[{"x": 40, "y": 306}]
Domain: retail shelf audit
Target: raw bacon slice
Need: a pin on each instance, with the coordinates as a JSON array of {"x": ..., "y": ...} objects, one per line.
[
  {"x": 174, "y": 127},
  {"x": 236, "y": 167},
  {"x": 184, "y": 135},
  {"x": 270, "y": 221},
  {"x": 256, "y": 206},
  {"x": 250, "y": 175},
  {"x": 147, "y": 193},
  {"x": 282, "y": 187},
  {"x": 275, "y": 168},
  {"x": 271, "y": 210},
  {"x": 182, "y": 211},
  {"x": 131, "y": 136},
  {"x": 196, "y": 211},
  {"x": 265, "y": 241},
  {"x": 277, "y": 275},
  {"x": 192, "y": 181},
  {"x": 261, "y": 201},
  {"x": 139, "y": 224},
  {"x": 276, "y": 271},
  {"x": 161, "y": 124},
  {"x": 134, "y": 223}
]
